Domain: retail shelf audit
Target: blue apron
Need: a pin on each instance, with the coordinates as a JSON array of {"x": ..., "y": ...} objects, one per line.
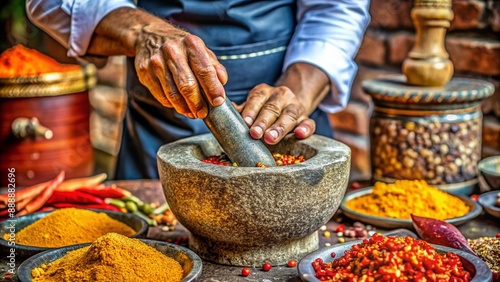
[{"x": 248, "y": 37}]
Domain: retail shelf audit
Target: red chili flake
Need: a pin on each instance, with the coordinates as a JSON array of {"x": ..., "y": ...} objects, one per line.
[
  {"x": 395, "y": 259},
  {"x": 292, "y": 263},
  {"x": 280, "y": 159},
  {"x": 474, "y": 197},
  {"x": 340, "y": 228},
  {"x": 245, "y": 272},
  {"x": 266, "y": 266},
  {"x": 355, "y": 185}
]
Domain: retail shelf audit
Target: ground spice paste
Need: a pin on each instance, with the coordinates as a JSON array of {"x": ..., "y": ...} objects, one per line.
[
  {"x": 113, "y": 258},
  {"x": 70, "y": 226},
  {"x": 405, "y": 197},
  {"x": 280, "y": 159},
  {"x": 22, "y": 61}
]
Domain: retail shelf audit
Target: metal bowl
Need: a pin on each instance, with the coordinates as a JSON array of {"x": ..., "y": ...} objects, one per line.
[
  {"x": 489, "y": 171},
  {"x": 488, "y": 200},
  {"x": 189, "y": 261},
  {"x": 478, "y": 269},
  {"x": 139, "y": 225},
  {"x": 390, "y": 223}
]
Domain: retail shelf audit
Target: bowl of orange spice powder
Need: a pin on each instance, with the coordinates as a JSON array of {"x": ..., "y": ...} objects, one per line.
[
  {"x": 114, "y": 257},
  {"x": 390, "y": 205}
]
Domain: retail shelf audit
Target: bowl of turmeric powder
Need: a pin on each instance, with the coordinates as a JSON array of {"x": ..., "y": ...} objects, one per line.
[
  {"x": 114, "y": 257},
  {"x": 41, "y": 231},
  {"x": 390, "y": 205}
]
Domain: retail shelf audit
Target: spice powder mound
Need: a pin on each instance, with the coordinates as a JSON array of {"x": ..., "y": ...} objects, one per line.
[
  {"x": 405, "y": 197},
  {"x": 22, "y": 61},
  {"x": 111, "y": 258},
  {"x": 70, "y": 226}
]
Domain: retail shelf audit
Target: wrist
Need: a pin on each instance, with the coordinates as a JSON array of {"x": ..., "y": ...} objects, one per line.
[{"x": 309, "y": 84}]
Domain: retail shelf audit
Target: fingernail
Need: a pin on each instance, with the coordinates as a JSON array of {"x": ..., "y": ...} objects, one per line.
[
  {"x": 218, "y": 101},
  {"x": 249, "y": 120},
  {"x": 202, "y": 113},
  {"x": 302, "y": 129},
  {"x": 273, "y": 133},
  {"x": 257, "y": 130}
]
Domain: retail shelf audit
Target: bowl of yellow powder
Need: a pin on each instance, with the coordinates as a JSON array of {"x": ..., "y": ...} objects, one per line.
[
  {"x": 38, "y": 232},
  {"x": 390, "y": 205},
  {"x": 111, "y": 258}
]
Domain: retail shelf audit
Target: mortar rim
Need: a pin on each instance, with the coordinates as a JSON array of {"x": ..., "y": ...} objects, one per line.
[{"x": 193, "y": 163}]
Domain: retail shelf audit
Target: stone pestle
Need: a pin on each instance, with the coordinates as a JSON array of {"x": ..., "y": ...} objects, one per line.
[{"x": 233, "y": 135}]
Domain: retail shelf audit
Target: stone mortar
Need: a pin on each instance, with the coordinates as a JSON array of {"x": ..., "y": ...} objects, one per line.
[{"x": 244, "y": 216}]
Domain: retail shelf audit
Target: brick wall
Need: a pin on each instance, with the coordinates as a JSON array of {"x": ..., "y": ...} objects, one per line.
[{"x": 473, "y": 43}]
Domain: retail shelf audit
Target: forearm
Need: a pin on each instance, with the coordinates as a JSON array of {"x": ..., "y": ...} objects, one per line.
[
  {"x": 120, "y": 31},
  {"x": 328, "y": 36},
  {"x": 309, "y": 83}
]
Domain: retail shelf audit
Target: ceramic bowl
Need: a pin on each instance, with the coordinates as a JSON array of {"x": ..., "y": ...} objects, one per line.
[
  {"x": 139, "y": 225},
  {"x": 489, "y": 171},
  {"x": 479, "y": 270},
  {"x": 488, "y": 201},
  {"x": 190, "y": 262},
  {"x": 391, "y": 223}
]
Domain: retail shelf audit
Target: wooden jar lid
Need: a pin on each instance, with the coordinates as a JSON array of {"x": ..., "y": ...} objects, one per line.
[
  {"x": 49, "y": 84},
  {"x": 395, "y": 90}
]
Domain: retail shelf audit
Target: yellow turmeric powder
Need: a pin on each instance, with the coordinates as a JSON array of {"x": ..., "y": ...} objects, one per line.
[
  {"x": 405, "y": 197},
  {"x": 113, "y": 258},
  {"x": 70, "y": 226},
  {"x": 21, "y": 61}
]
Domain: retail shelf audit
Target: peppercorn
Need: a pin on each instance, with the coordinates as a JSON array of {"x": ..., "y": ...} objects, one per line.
[
  {"x": 266, "y": 266},
  {"x": 292, "y": 263},
  {"x": 245, "y": 271},
  {"x": 340, "y": 228}
]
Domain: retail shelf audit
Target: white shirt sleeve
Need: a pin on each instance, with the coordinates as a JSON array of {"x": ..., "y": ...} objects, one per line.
[
  {"x": 328, "y": 35},
  {"x": 72, "y": 22}
]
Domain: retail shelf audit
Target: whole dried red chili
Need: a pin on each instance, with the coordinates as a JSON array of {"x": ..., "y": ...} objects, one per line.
[
  {"x": 388, "y": 258},
  {"x": 73, "y": 197},
  {"x": 83, "y": 206},
  {"x": 107, "y": 192}
]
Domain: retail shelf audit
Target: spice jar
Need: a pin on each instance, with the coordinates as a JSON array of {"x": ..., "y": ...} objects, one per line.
[{"x": 429, "y": 133}]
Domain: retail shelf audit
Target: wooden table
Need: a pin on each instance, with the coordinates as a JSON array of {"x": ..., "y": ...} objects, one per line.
[{"x": 150, "y": 191}]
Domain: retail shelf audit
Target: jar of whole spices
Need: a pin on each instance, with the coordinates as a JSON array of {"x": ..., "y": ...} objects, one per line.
[{"x": 428, "y": 133}]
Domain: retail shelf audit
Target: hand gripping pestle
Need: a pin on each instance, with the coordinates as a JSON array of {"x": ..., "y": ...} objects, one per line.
[{"x": 233, "y": 135}]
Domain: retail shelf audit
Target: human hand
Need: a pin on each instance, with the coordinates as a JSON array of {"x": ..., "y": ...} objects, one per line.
[
  {"x": 175, "y": 65},
  {"x": 273, "y": 112}
]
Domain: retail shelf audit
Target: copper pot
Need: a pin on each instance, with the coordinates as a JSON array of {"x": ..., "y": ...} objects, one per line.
[{"x": 44, "y": 126}]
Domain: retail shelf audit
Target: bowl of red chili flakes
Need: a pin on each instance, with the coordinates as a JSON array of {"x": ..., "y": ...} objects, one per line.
[{"x": 392, "y": 258}]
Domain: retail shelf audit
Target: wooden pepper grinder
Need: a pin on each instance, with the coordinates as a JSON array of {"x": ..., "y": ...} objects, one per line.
[{"x": 428, "y": 63}]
